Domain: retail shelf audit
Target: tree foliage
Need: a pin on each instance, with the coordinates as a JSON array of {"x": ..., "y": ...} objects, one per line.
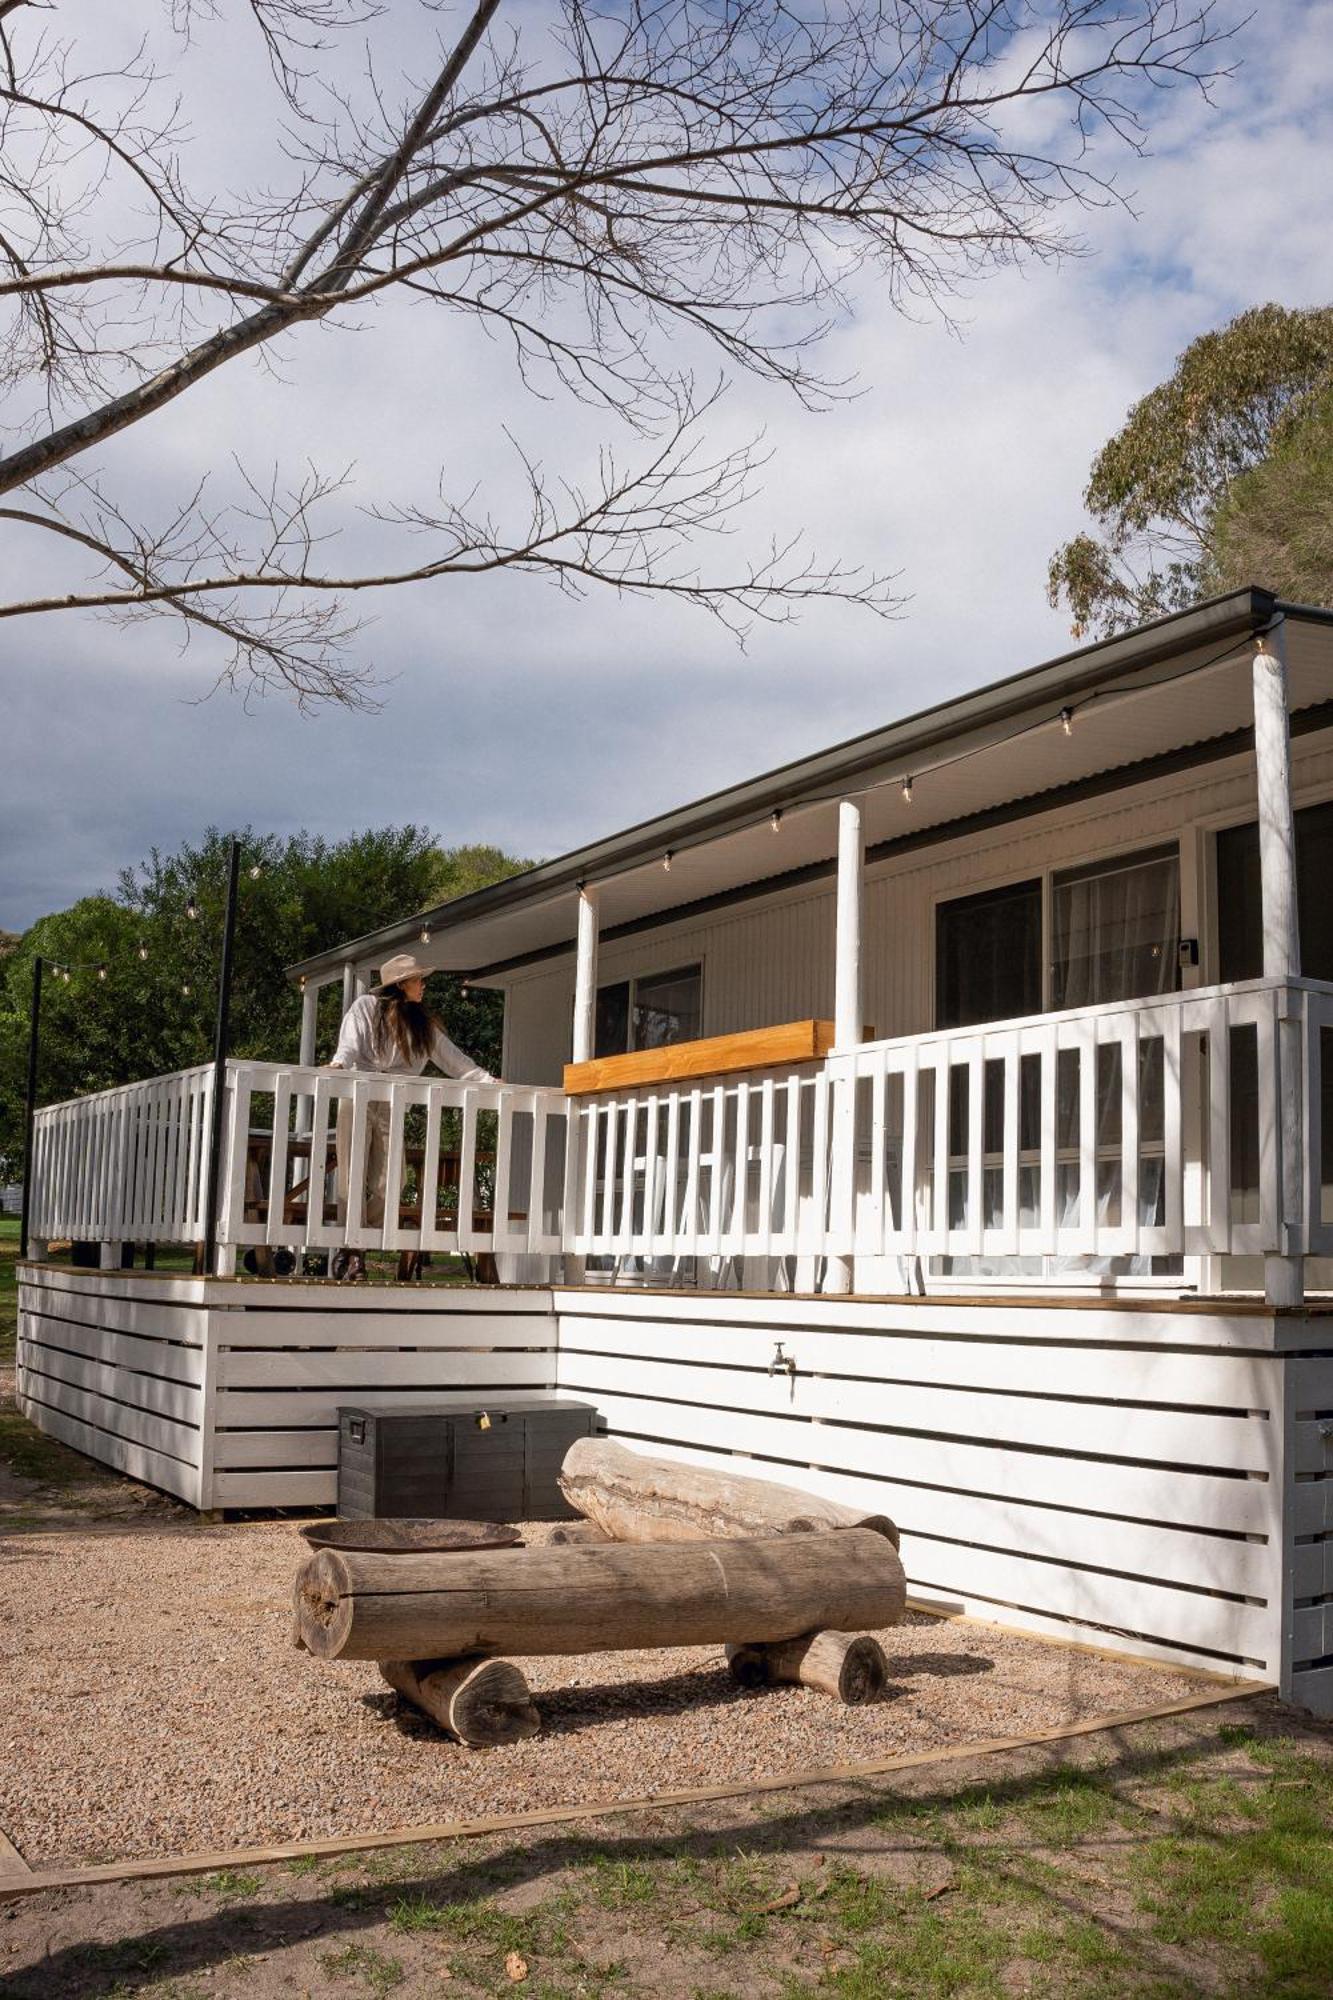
[
  {"x": 142, "y": 986},
  {"x": 603, "y": 185},
  {"x": 1210, "y": 482},
  {"x": 1275, "y": 525}
]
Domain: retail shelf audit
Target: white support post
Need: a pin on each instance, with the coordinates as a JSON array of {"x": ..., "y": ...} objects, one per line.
[
  {"x": 583, "y": 1049},
  {"x": 1284, "y": 1269},
  {"x": 309, "y": 1020},
  {"x": 349, "y": 986},
  {"x": 306, "y": 1052},
  {"x": 848, "y": 1015},
  {"x": 848, "y": 1006},
  {"x": 585, "y": 979}
]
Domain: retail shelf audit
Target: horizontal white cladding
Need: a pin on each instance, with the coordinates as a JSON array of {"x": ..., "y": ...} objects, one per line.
[
  {"x": 1154, "y": 1479},
  {"x": 771, "y": 960}
]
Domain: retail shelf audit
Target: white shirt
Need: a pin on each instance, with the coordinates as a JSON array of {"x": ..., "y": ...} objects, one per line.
[{"x": 364, "y": 1042}]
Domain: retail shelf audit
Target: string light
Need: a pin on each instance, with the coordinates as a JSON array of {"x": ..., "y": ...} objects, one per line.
[
  {"x": 907, "y": 791},
  {"x": 667, "y": 859},
  {"x": 255, "y": 872},
  {"x": 1067, "y": 721},
  {"x": 185, "y": 987},
  {"x": 191, "y": 908},
  {"x": 425, "y": 933},
  {"x": 775, "y": 821},
  {"x": 101, "y": 972},
  {"x": 143, "y": 949}
]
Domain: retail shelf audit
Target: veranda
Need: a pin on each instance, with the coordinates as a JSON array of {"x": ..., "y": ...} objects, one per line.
[{"x": 1041, "y": 1272}]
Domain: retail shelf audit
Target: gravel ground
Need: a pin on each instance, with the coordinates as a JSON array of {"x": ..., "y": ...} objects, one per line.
[{"x": 154, "y": 1705}]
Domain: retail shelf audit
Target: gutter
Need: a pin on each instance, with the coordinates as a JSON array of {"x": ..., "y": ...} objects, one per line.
[{"x": 909, "y": 741}]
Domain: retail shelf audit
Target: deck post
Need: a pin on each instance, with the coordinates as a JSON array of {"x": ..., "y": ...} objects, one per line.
[
  {"x": 1284, "y": 1270},
  {"x": 305, "y": 1055},
  {"x": 349, "y": 986},
  {"x": 584, "y": 1047},
  {"x": 848, "y": 1014},
  {"x": 309, "y": 1022},
  {"x": 585, "y": 978}
]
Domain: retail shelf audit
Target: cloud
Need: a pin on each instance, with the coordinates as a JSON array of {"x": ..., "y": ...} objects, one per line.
[{"x": 511, "y": 715}]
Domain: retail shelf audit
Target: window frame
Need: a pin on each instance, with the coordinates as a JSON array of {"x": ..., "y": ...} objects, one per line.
[
  {"x": 1106, "y": 860},
  {"x": 633, "y": 980}
]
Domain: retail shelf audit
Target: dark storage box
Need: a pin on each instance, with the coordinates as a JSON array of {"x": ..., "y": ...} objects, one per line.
[{"x": 497, "y": 1463}]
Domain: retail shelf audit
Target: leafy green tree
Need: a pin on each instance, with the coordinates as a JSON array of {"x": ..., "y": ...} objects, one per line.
[
  {"x": 1276, "y": 523},
  {"x": 1187, "y": 494},
  {"x": 141, "y": 989}
]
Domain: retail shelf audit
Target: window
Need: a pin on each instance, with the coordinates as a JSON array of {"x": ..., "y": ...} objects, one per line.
[
  {"x": 1115, "y": 929},
  {"x": 988, "y": 956},
  {"x": 1240, "y": 946},
  {"x": 649, "y": 1012},
  {"x": 1239, "y": 923}
]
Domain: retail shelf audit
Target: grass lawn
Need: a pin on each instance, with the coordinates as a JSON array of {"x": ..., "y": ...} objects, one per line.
[
  {"x": 1190, "y": 1856},
  {"x": 9, "y": 1250}
]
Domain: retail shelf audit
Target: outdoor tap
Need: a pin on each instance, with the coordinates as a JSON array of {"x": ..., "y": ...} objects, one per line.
[{"x": 786, "y": 1362}]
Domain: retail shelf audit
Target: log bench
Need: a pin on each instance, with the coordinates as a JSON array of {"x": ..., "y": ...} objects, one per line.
[{"x": 668, "y": 1555}]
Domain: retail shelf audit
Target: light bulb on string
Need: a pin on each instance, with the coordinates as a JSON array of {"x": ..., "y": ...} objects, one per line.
[
  {"x": 143, "y": 949},
  {"x": 185, "y": 987},
  {"x": 191, "y": 908},
  {"x": 425, "y": 933},
  {"x": 775, "y": 820},
  {"x": 101, "y": 972},
  {"x": 907, "y": 791},
  {"x": 1067, "y": 721},
  {"x": 667, "y": 860},
  {"x": 255, "y": 871}
]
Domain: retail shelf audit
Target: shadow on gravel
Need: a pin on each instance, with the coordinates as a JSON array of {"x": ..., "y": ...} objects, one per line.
[{"x": 892, "y": 1822}]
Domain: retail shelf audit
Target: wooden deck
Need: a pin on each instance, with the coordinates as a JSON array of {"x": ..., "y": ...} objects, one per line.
[{"x": 1145, "y": 1473}]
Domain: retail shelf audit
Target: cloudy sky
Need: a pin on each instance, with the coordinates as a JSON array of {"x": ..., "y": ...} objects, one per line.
[{"x": 510, "y": 715}]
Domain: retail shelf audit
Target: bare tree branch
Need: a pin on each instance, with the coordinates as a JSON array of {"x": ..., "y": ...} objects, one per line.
[{"x": 592, "y": 184}]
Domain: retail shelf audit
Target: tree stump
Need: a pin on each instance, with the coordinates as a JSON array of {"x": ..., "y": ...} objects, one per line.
[
  {"x": 480, "y": 1701},
  {"x": 850, "y": 1667}
]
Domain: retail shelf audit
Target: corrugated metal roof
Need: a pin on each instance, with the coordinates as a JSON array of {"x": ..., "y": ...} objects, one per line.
[{"x": 1168, "y": 685}]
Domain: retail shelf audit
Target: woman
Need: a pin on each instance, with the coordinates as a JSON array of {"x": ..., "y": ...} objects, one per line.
[{"x": 388, "y": 1032}]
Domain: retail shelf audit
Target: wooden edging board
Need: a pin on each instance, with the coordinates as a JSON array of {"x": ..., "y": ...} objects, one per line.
[
  {"x": 160, "y": 1867},
  {"x": 714, "y": 1055}
]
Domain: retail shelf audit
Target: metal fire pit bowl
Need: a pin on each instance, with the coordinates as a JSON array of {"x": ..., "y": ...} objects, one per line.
[{"x": 409, "y": 1535}]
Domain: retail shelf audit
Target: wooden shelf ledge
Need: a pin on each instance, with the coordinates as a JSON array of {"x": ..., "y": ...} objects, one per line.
[{"x": 715, "y": 1055}]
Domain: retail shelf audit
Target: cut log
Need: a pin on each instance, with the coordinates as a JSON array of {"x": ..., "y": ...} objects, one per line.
[
  {"x": 481, "y": 1702},
  {"x": 634, "y": 1498},
  {"x": 850, "y": 1666},
  {"x": 361, "y": 1606}
]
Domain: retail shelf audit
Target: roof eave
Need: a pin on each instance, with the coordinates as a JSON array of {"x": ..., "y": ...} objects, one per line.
[{"x": 908, "y": 740}]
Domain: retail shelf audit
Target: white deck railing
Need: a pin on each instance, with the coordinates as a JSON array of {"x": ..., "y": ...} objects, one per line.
[
  {"x": 126, "y": 1165},
  {"x": 1137, "y": 1131}
]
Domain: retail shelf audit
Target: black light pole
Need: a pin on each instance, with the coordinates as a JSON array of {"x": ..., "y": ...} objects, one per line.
[
  {"x": 220, "y": 1043},
  {"x": 30, "y": 1102}
]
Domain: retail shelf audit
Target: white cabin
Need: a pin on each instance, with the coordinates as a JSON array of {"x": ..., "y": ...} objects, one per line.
[{"x": 939, "y": 1118}]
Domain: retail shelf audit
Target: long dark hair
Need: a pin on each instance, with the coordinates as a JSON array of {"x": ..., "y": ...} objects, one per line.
[{"x": 409, "y": 1024}]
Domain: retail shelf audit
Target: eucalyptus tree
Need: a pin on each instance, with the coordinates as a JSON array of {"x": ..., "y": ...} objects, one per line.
[
  {"x": 606, "y": 185},
  {"x": 1219, "y": 477}
]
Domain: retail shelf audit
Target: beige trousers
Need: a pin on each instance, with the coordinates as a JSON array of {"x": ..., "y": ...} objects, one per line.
[{"x": 376, "y": 1161}]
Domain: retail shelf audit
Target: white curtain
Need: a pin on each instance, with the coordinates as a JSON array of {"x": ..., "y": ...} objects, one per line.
[{"x": 1114, "y": 935}]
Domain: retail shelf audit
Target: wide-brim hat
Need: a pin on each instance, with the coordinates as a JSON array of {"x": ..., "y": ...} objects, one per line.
[{"x": 395, "y": 970}]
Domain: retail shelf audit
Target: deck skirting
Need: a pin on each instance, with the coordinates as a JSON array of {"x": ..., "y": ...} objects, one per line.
[{"x": 1129, "y": 1475}]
